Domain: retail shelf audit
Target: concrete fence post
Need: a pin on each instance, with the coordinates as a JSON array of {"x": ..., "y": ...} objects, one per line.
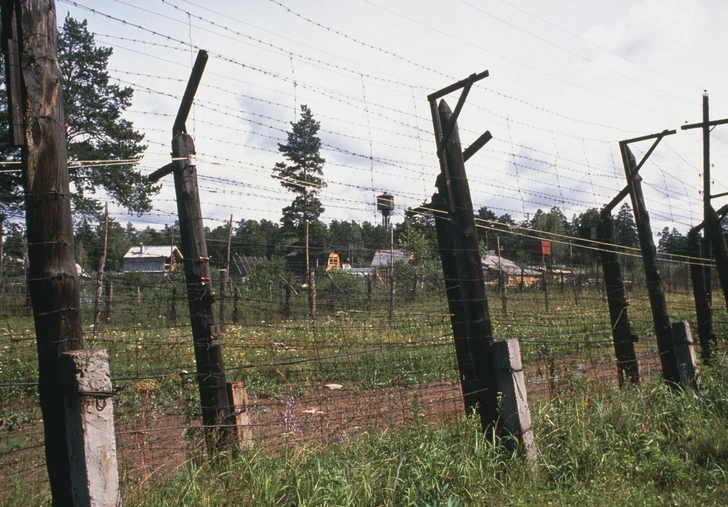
[
  {"x": 515, "y": 416},
  {"x": 238, "y": 397},
  {"x": 89, "y": 406},
  {"x": 687, "y": 365}
]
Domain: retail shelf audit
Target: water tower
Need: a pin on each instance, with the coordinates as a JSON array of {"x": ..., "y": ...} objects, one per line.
[{"x": 385, "y": 204}]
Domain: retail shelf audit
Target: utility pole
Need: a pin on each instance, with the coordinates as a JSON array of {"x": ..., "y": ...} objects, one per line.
[
  {"x": 33, "y": 79},
  {"x": 714, "y": 240},
  {"x": 206, "y": 335}
]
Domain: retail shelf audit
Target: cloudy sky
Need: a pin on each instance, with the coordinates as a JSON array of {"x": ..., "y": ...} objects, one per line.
[{"x": 568, "y": 81}]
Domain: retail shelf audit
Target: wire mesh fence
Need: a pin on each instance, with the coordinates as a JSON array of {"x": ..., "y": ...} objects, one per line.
[{"x": 378, "y": 355}]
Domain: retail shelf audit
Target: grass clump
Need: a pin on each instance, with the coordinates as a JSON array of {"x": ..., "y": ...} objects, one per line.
[{"x": 648, "y": 445}]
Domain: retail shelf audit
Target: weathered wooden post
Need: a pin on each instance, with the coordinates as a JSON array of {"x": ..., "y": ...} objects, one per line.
[
  {"x": 108, "y": 299},
  {"x": 703, "y": 308},
  {"x": 236, "y": 304},
  {"x": 223, "y": 296},
  {"x": 545, "y": 281},
  {"x": 660, "y": 317},
  {"x": 714, "y": 238},
  {"x": 474, "y": 336},
  {"x": 312, "y": 296},
  {"x": 89, "y": 403},
  {"x": 35, "y": 106},
  {"x": 100, "y": 275},
  {"x": 206, "y": 333},
  {"x": 627, "y": 366}
]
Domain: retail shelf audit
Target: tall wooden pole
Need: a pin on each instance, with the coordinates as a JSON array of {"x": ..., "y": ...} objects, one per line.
[
  {"x": 225, "y": 278},
  {"x": 29, "y": 31},
  {"x": 2, "y": 238},
  {"x": 100, "y": 275},
  {"x": 627, "y": 366},
  {"x": 703, "y": 309},
  {"x": 200, "y": 294},
  {"x": 479, "y": 382},
  {"x": 660, "y": 317},
  {"x": 206, "y": 335}
]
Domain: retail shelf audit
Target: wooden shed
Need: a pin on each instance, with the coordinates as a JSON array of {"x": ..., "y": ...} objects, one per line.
[
  {"x": 515, "y": 275},
  {"x": 152, "y": 259}
]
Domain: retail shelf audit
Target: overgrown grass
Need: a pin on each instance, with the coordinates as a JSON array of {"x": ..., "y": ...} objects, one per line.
[{"x": 597, "y": 446}]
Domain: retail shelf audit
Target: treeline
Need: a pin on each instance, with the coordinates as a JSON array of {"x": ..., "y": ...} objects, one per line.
[{"x": 357, "y": 242}]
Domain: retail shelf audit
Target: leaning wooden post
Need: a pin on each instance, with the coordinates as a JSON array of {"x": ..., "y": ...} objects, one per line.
[
  {"x": 200, "y": 294},
  {"x": 479, "y": 379},
  {"x": 703, "y": 309},
  {"x": 456, "y": 308},
  {"x": 88, "y": 399},
  {"x": 660, "y": 317},
  {"x": 627, "y": 366},
  {"x": 34, "y": 85}
]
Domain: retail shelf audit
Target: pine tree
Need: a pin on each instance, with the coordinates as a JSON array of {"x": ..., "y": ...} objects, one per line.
[
  {"x": 301, "y": 173},
  {"x": 95, "y": 129}
]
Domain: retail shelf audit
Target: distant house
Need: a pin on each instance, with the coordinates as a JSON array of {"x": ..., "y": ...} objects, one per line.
[
  {"x": 384, "y": 258},
  {"x": 245, "y": 263},
  {"x": 152, "y": 259},
  {"x": 296, "y": 261},
  {"x": 515, "y": 275}
]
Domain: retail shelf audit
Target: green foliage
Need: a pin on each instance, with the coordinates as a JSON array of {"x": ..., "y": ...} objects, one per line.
[
  {"x": 625, "y": 227},
  {"x": 95, "y": 128},
  {"x": 301, "y": 173},
  {"x": 597, "y": 446},
  {"x": 95, "y": 131},
  {"x": 672, "y": 242}
]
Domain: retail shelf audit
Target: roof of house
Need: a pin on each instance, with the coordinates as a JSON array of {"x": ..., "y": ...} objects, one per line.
[
  {"x": 383, "y": 258},
  {"x": 152, "y": 252},
  {"x": 245, "y": 263},
  {"x": 492, "y": 261}
]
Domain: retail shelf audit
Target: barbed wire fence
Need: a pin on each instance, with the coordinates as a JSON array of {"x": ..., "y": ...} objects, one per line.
[
  {"x": 354, "y": 371},
  {"x": 357, "y": 369}
]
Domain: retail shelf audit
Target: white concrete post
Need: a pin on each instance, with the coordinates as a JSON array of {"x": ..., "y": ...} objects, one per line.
[
  {"x": 88, "y": 400},
  {"x": 515, "y": 416},
  {"x": 238, "y": 398},
  {"x": 683, "y": 345}
]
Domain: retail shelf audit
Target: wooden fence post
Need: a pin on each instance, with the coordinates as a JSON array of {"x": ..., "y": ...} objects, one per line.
[
  {"x": 173, "y": 306},
  {"x": 108, "y": 299},
  {"x": 236, "y": 303},
  {"x": 312, "y": 296},
  {"x": 35, "y": 106},
  {"x": 703, "y": 310},
  {"x": 206, "y": 334},
  {"x": 88, "y": 399},
  {"x": 627, "y": 366},
  {"x": 478, "y": 382},
  {"x": 100, "y": 275},
  {"x": 223, "y": 297},
  {"x": 515, "y": 417},
  {"x": 660, "y": 317}
]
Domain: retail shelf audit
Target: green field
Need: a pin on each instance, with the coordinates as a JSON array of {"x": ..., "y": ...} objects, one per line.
[{"x": 387, "y": 440}]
